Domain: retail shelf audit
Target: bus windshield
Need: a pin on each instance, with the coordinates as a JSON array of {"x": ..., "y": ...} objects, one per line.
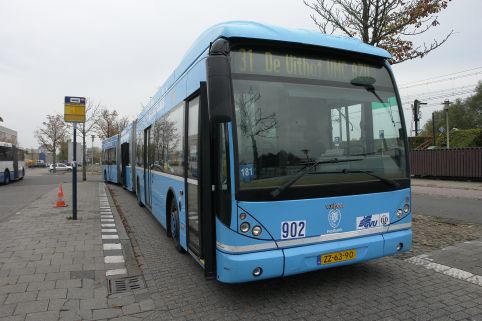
[{"x": 338, "y": 118}]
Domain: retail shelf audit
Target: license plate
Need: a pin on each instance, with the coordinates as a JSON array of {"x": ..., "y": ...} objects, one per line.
[{"x": 336, "y": 257}]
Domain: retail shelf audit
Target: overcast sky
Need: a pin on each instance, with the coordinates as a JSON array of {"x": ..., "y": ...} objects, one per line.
[{"x": 119, "y": 52}]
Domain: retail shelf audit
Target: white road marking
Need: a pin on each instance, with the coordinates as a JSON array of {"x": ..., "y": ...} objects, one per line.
[
  {"x": 107, "y": 220},
  {"x": 109, "y": 230},
  {"x": 426, "y": 262},
  {"x": 110, "y": 237},
  {"x": 115, "y": 272},
  {"x": 107, "y": 225},
  {"x": 114, "y": 259},
  {"x": 112, "y": 246}
]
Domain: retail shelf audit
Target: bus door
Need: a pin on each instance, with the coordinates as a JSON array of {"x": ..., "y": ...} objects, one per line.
[
  {"x": 124, "y": 162},
  {"x": 200, "y": 217},
  {"x": 192, "y": 177},
  {"x": 15, "y": 162},
  {"x": 147, "y": 167}
]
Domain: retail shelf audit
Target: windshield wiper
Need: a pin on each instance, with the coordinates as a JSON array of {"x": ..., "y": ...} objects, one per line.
[
  {"x": 282, "y": 188},
  {"x": 387, "y": 181},
  {"x": 367, "y": 83}
]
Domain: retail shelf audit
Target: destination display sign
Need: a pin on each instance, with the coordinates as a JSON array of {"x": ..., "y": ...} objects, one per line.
[
  {"x": 74, "y": 109},
  {"x": 248, "y": 61}
]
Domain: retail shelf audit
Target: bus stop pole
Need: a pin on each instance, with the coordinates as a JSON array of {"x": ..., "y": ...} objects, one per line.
[{"x": 74, "y": 175}]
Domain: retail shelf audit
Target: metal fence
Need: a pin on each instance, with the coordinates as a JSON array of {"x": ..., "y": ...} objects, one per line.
[{"x": 462, "y": 163}]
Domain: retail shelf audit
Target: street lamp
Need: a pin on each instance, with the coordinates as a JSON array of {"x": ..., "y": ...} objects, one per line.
[{"x": 93, "y": 136}]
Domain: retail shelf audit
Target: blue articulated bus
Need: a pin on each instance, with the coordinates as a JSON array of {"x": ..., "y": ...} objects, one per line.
[
  {"x": 110, "y": 159},
  {"x": 271, "y": 152}
]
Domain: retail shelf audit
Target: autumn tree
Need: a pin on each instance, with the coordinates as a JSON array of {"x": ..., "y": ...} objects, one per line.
[
  {"x": 52, "y": 134},
  {"x": 108, "y": 123},
  {"x": 389, "y": 24}
]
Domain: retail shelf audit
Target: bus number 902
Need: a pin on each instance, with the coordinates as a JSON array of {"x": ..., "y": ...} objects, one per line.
[{"x": 293, "y": 229}]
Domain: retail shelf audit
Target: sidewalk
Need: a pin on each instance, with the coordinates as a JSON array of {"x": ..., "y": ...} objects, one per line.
[
  {"x": 446, "y": 188},
  {"x": 54, "y": 268},
  {"x": 461, "y": 260}
]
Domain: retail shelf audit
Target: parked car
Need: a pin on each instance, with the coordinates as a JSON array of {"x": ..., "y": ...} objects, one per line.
[
  {"x": 40, "y": 163},
  {"x": 60, "y": 167}
]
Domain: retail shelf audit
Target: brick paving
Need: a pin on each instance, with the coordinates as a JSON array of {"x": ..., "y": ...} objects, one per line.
[
  {"x": 53, "y": 268},
  {"x": 384, "y": 289}
]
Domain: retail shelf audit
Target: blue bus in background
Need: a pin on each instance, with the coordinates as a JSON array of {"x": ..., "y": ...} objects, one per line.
[
  {"x": 271, "y": 152},
  {"x": 110, "y": 155}
]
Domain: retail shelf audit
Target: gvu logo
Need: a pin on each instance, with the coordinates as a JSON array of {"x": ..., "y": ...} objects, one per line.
[{"x": 367, "y": 222}]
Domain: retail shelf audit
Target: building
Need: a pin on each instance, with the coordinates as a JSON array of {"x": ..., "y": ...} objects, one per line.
[{"x": 8, "y": 135}]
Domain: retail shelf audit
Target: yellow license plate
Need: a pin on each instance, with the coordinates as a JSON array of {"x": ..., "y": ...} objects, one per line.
[{"x": 336, "y": 257}]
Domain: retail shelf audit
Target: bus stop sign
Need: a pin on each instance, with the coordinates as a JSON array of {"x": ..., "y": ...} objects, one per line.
[{"x": 74, "y": 109}]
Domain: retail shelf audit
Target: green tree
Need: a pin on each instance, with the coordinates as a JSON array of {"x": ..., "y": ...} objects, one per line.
[{"x": 463, "y": 114}]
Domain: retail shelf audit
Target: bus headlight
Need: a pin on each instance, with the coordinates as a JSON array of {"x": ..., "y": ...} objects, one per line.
[
  {"x": 244, "y": 227},
  {"x": 256, "y": 230},
  {"x": 399, "y": 213},
  {"x": 406, "y": 208},
  {"x": 242, "y": 216},
  {"x": 257, "y": 271}
]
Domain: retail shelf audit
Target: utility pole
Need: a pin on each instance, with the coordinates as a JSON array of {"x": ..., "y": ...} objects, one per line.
[
  {"x": 416, "y": 113},
  {"x": 446, "y": 104},
  {"x": 433, "y": 128},
  {"x": 93, "y": 136}
]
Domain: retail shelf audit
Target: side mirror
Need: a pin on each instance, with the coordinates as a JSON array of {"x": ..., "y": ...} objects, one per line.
[{"x": 220, "y": 92}]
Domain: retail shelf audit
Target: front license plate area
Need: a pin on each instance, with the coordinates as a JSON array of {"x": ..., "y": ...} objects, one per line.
[{"x": 336, "y": 257}]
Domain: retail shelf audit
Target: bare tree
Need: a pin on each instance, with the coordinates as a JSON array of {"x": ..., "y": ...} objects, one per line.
[
  {"x": 252, "y": 121},
  {"x": 389, "y": 24},
  {"x": 52, "y": 134},
  {"x": 108, "y": 123}
]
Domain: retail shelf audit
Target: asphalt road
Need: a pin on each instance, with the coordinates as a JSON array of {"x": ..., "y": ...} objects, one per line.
[
  {"x": 15, "y": 196},
  {"x": 460, "y": 209}
]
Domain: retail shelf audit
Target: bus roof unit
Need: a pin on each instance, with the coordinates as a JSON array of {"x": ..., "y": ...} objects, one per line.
[{"x": 254, "y": 30}]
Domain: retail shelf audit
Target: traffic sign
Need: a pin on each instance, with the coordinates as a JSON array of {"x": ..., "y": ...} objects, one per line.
[{"x": 74, "y": 109}]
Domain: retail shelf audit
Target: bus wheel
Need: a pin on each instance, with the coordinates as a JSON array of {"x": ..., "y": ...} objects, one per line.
[
  {"x": 6, "y": 177},
  {"x": 105, "y": 176},
  {"x": 174, "y": 214}
]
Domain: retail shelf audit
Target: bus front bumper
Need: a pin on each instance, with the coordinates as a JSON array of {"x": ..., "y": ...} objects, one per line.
[{"x": 236, "y": 268}]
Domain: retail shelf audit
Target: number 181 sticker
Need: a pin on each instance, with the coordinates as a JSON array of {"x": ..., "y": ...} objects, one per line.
[{"x": 293, "y": 229}]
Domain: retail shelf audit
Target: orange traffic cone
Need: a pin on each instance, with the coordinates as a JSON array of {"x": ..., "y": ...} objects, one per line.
[{"x": 60, "y": 198}]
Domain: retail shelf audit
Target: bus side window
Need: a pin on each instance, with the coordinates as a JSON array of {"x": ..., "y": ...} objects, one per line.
[{"x": 223, "y": 184}]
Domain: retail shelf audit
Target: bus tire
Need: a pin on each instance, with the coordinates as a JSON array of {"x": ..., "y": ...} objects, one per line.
[
  {"x": 105, "y": 176},
  {"x": 174, "y": 226},
  {"x": 6, "y": 177}
]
